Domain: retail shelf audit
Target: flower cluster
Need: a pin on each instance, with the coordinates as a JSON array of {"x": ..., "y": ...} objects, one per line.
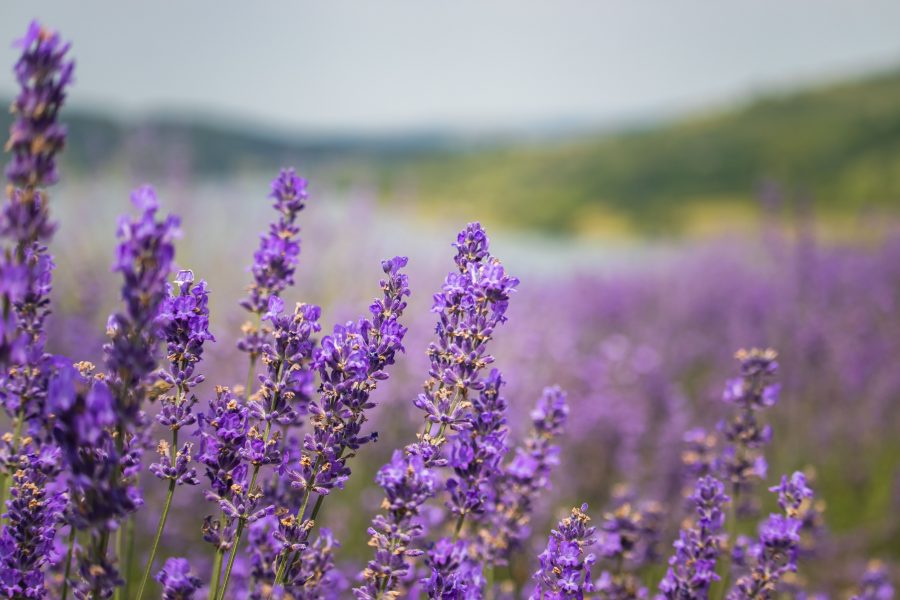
[
  {"x": 43, "y": 72},
  {"x": 34, "y": 510},
  {"x": 875, "y": 583},
  {"x": 692, "y": 569},
  {"x": 276, "y": 258},
  {"x": 565, "y": 571},
  {"x": 775, "y": 553},
  {"x": 178, "y": 582},
  {"x": 407, "y": 484},
  {"x": 458, "y": 501},
  {"x": 526, "y": 476},
  {"x": 741, "y": 460},
  {"x": 470, "y": 305},
  {"x": 472, "y": 302}
]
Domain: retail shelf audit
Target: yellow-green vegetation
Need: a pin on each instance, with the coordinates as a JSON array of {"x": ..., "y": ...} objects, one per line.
[{"x": 837, "y": 146}]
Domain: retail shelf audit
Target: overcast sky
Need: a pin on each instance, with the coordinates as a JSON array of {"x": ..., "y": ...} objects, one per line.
[{"x": 387, "y": 64}]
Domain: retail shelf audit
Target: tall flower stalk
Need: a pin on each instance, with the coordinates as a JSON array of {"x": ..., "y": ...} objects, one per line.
[
  {"x": 350, "y": 362},
  {"x": 565, "y": 565},
  {"x": 471, "y": 303},
  {"x": 44, "y": 72},
  {"x": 274, "y": 264},
  {"x": 184, "y": 318}
]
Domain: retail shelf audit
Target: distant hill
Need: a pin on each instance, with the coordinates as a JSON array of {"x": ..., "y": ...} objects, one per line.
[{"x": 838, "y": 144}]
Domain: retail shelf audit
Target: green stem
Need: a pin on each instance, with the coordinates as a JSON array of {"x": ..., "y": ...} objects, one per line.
[
  {"x": 459, "y": 525},
  {"x": 489, "y": 583},
  {"x": 162, "y": 520},
  {"x": 216, "y": 574},
  {"x": 68, "y": 568},
  {"x": 240, "y": 531},
  {"x": 129, "y": 553},
  {"x": 119, "y": 548}
]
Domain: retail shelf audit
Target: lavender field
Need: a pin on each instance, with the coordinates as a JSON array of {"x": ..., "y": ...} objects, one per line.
[{"x": 285, "y": 387}]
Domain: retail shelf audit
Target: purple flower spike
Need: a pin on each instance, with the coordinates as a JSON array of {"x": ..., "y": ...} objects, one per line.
[
  {"x": 775, "y": 553},
  {"x": 692, "y": 569},
  {"x": 741, "y": 462},
  {"x": 565, "y": 569},
  {"x": 43, "y": 72},
  {"x": 178, "y": 582},
  {"x": 875, "y": 583},
  {"x": 526, "y": 476},
  {"x": 34, "y": 511},
  {"x": 276, "y": 258},
  {"x": 407, "y": 484}
]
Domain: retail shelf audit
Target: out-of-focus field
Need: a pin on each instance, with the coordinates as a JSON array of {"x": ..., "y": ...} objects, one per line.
[
  {"x": 641, "y": 333},
  {"x": 647, "y": 258}
]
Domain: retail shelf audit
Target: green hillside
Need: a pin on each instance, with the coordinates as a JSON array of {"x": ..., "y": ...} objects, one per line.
[{"x": 838, "y": 145}]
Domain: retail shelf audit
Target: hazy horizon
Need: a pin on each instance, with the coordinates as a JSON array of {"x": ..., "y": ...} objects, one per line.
[{"x": 466, "y": 67}]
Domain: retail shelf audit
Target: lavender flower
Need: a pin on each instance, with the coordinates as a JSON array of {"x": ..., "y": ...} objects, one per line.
[
  {"x": 34, "y": 511},
  {"x": 475, "y": 453},
  {"x": 313, "y": 576},
  {"x": 472, "y": 302},
  {"x": 565, "y": 571},
  {"x": 407, "y": 484},
  {"x": 693, "y": 566},
  {"x": 455, "y": 575},
  {"x": 43, "y": 72},
  {"x": 776, "y": 552},
  {"x": 350, "y": 362},
  {"x": 223, "y": 432},
  {"x": 627, "y": 540},
  {"x": 875, "y": 584},
  {"x": 525, "y": 477},
  {"x": 184, "y": 323},
  {"x": 177, "y": 580},
  {"x": 286, "y": 388},
  {"x": 742, "y": 461},
  {"x": 276, "y": 258}
]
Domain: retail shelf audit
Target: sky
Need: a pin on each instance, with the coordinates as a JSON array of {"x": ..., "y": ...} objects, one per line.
[{"x": 388, "y": 65}]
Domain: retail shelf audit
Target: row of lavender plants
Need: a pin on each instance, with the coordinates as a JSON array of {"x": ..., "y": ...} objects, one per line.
[{"x": 457, "y": 500}]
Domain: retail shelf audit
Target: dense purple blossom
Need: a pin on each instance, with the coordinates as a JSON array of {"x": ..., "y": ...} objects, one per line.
[
  {"x": 350, "y": 362},
  {"x": 34, "y": 510},
  {"x": 476, "y": 452},
  {"x": 627, "y": 540},
  {"x": 276, "y": 258},
  {"x": 525, "y": 477},
  {"x": 565, "y": 565},
  {"x": 692, "y": 569},
  {"x": 407, "y": 484},
  {"x": 43, "y": 72},
  {"x": 741, "y": 461},
  {"x": 454, "y": 573},
  {"x": 178, "y": 582},
  {"x": 775, "y": 553},
  {"x": 287, "y": 386},
  {"x": 144, "y": 258},
  {"x": 471, "y": 303},
  {"x": 223, "y": 433}
]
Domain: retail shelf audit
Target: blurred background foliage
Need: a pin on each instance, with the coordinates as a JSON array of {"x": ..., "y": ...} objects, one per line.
[{"x": 835, "y": 147}]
